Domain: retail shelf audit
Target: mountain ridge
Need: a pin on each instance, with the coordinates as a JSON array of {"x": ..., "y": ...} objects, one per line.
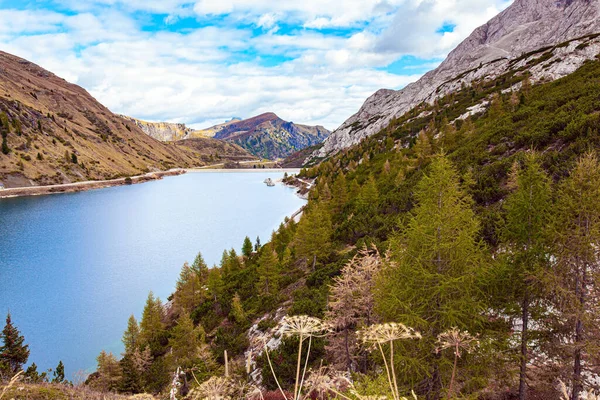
[
  {"x": 525, "y": 26},
  {"x": 268, "y": 136},
  {"x": 55, "y": 132}
]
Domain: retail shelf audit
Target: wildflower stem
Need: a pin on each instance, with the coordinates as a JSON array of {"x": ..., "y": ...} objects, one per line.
[
  {"x": 305, "y": 365},
  {"x": 396, "y": 391},
  {"x": 273, "y": 372},
  {"x": 387, "y": 370},
  {"x": 298, "y": 368},
  {"x": 451, "y": 388}
]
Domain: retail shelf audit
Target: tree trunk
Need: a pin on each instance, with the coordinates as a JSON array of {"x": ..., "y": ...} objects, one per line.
[
  {"x": 580, "y": 289},
  {"x": 435, "y": 383},
  {"x": 524, "y": 338},
  {"x": 347, "y": 345}
]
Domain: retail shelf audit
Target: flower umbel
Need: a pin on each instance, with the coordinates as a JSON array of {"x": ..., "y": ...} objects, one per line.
[
  {"x": 457, "y": 340},
  {"x": 383, "y": 333},
  {"x": 216, "y": 388},
  {"x": 303, "y": 326}
]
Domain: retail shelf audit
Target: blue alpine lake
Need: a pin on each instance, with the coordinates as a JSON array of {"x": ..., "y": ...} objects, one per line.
[{"x": 73, "y": 267}]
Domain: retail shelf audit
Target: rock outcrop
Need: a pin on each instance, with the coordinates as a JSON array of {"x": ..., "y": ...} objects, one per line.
[
  {"x": 534, "y": 35},
  {"x": 164, "y": 131},
  {"x": 268, "y": 136}
]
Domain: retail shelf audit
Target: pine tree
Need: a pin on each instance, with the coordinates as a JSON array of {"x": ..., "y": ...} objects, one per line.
[
  {"x": 215, "y": 283},
  {"x": 131, "y": 337},
  {"x": 247, "y": 247},
  {"x": 527, "y": 217},
  {"x": 185, "y": 342},
  {"x": 339, "y": 193},
  {"x": 313, "y": 235},
  {"x": 368, "y": 197},
  {"x": 13, "y": 353},
  {"x": 32, "y": 375},
  {"x": 268, "y": 272},
  {"x": 432, "y": 283},
  {"x": 574, "y": 280},
  {"x": 237, "y": 311},
  {"x": 188, "y": 290},
  {"x": 109, "y": 372},
  {"x": 151, "y": 325},
  {"x": 59, "y": 373},
  {"x": 200, "y": 268}
]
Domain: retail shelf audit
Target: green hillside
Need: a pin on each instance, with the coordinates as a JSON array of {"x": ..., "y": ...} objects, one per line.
[{"x": 435, "y": 222}]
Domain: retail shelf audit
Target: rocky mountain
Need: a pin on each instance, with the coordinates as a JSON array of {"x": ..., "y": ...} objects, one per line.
[
  {"x": 268, "y": 136},
  {"x": 163, "y": 131},
  {"x": 548, "y": 39},
  {"x": 56, "y": 132}
]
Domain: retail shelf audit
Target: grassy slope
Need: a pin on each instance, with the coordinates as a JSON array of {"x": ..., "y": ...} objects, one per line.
[{"x": 53, "y": 118}]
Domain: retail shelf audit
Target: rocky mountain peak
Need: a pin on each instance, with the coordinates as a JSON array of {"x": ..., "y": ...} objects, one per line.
[{"x": 491, "y": 50}]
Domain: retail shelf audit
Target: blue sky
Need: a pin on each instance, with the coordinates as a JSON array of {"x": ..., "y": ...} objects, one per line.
[{"x": 202, "y": 62}]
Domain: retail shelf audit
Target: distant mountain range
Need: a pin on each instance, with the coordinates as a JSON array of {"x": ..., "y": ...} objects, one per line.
[
  {"x": 264, "y": 136},
  {"x": 55, "y": 132}
]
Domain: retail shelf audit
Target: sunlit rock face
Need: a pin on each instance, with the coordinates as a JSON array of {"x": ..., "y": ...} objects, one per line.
[{"x": 500, "y": 45}]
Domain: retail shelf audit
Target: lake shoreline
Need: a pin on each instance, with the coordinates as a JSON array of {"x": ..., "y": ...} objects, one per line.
[
  {"x": 102, "y": 184},
  {"x": 87, "y": 185}
]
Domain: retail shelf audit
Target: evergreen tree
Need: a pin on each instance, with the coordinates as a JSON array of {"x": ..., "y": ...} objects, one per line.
[
  {"x": 257, "y": 244},
  {"x": 313, "y": 235},
  {"x": 268, "y": 282},
  {"x": 151, "y": 325},
  {"x": 575, "y": 278},
  {"x": 527, "y": 216},
  {"x": 339, "y": 193},
  {"x": 14, "y": 352},
  {"x": 432, "y": 283},
  {"x": 185, "y": 342},
  {"x": 215, "y": 283},
  {"x": 247, "y": 247},
  {"x": 59, "y": 373},
  {"x": 109, "y": 372},
  {"x": 188, "y": 290},
  {"x": 368, "y": 197},
  {"x": 131, "y": 336},
  {"x": 234, "y": 262},
  {"x": 32, "y": 375},
  {"x": 237, "y": 311},
  {"x": 200, "y": 268}
]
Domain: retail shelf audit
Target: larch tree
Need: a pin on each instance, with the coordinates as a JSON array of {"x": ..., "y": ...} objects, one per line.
[
  {"x": 268, "y": 271},
  {"x": 247, "y": 247},
  {"x": 432, "y": 282},
  {"x": 313, "y": 235},
  {"x": 109, "y": 372},
  {"x": 188, "y": 290},
  {"x": 185, "y": 342},
  {"x": 237, "y": 310},
  {"x": 575, "y": 277},
  {"x": 528, "y": 211},
  {"x": 131, "y": 336},
  {"x": 351, "y": 306},
  {"x": 13, "y": 352},
  {"x": 339, "y": 193},
  {"x": 200, "y": 268},
  {"x": 152, "y": 326}
]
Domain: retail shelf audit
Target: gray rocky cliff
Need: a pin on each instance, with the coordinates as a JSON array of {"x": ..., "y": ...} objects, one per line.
[{"x": 500, "y": 45}]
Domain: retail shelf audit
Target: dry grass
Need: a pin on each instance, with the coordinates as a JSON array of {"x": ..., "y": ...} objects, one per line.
[{"x": 47, "y": 391}]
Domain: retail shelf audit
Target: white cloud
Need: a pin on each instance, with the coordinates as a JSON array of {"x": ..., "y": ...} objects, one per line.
[{"x": 208, "y": 74}]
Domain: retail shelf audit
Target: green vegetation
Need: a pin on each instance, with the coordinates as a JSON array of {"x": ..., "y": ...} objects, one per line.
[{"x": 453, "y": 257}]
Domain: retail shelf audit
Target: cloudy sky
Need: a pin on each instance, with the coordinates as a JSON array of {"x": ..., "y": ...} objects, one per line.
[{"x": 202, "y": 62}]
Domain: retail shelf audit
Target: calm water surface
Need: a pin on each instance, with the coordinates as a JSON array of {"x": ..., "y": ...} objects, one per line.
[{"x": 73, "y": 267}]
